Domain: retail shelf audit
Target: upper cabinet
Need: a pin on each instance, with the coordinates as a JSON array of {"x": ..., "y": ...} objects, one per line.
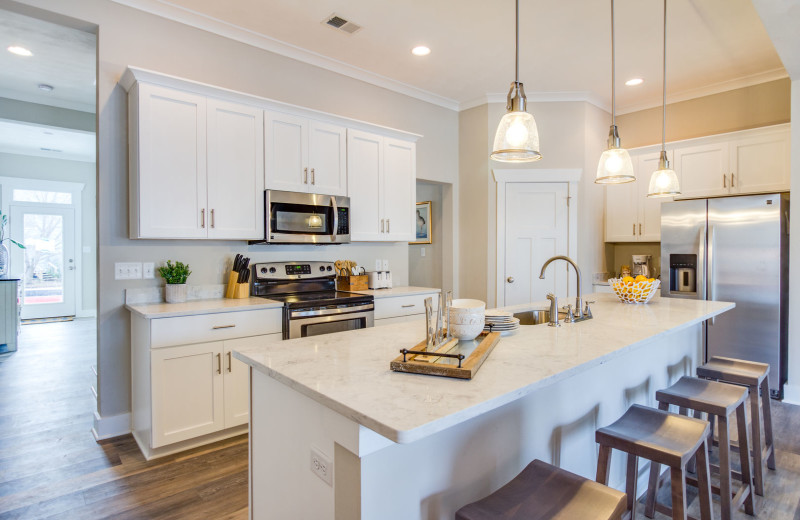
[
  {"x": 197, "y": 166},
  {"x": 305, "y": 155},
  {"x": 382, "y": 180}
]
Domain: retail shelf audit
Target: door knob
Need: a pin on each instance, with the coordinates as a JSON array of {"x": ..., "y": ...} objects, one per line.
[{"x": 510, "y": 279}]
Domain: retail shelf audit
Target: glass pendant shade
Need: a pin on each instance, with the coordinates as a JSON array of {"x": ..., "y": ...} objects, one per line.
[
  {"x": 517, "y": 138},
  {"x": 663, "y": 181},
  {"x": 615, "y": 166}
]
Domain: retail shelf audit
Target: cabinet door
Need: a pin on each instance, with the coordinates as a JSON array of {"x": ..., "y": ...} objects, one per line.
[
  {"x": 187, "y": 385},
  {"x": 702, "y": 170},
  {"x": 760, "y": 163},
  {"x": 327, "y": 158},
  {"x": 237, "y": 378},
  {"x": 399, "y": 189},
  {"x": 364, "y": 171},
  {"x": 235, "y": 171},
  {"x": 649, "y": 220},
  {"x": 621, "y": 211},
  {"x": 171, "y": 163},
  {"x": 286, "y": 150}
]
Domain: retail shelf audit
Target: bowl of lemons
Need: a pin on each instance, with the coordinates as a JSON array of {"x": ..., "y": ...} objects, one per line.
[{"x": 634, "y": 290}]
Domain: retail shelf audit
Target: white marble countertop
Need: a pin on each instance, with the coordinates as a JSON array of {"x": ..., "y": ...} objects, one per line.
[
  {"x": 193, "y": 307},
  {"x": 399, "y": 291},
  {"x": 349, "y": 371}
]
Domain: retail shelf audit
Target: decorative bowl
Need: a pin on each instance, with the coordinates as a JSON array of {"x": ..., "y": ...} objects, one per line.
[
  {"x": 467, "y": 318},
  {"x": 634, "y": 292}
]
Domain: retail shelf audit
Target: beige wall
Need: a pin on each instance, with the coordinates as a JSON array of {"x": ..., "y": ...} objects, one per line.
[
  {"x": 750, "y": 107},
  {"x": 428, "y": 270},
  {"x": 130, "y": 37}
]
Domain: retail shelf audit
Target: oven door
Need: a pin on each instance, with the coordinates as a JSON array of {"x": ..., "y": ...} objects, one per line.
[
  {"x": 306, "y": 323},
  {"x": 306, "y": 218}
]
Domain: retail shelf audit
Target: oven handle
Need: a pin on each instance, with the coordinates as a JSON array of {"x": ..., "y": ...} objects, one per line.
[
  {"x": 329, "y": 312},
  {"x": 335, "y": 216},
  {"x": 295, "y": 327}
]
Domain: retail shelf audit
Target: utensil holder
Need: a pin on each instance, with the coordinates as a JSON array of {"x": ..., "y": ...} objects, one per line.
[
  {"x": 353, "y": 282},
  {"x": 236, "y": 290}
]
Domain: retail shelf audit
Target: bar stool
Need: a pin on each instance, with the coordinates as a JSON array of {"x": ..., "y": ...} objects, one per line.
[
  {"x": 665, "y": 438},
  {"x": 542, "y": 492},
  {"x": 720, "y": 400},
  {"x": 755, "y": 376}
]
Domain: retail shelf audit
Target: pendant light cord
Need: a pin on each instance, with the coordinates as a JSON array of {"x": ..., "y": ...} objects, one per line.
[
  {"x": 613, "y": 71},
  {"x": 664, "y": 104},
  {"x": 516, "y": 46}
]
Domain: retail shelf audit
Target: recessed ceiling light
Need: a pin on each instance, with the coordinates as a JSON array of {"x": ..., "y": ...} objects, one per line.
[
  {"x": 635, "y": 81},
  {"x": 45, "y": 87},
  {"x": 19, "y": 51},
  {"x": 420, "y": 50}
]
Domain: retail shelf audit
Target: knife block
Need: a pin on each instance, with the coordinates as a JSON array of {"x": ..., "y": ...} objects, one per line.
[{"x": 236, "y": 290}]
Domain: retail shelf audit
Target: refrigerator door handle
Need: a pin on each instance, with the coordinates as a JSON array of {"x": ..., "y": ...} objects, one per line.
[
  {"x": 711, "y": 287},
  {"x": 700, "y": 275}
]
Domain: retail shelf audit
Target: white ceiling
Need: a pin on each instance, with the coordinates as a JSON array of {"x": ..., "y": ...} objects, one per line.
[
  {"x": 712, "y": 45},
  {"x": 62, "y": 57},
  {"x": 46, "y": 141}
]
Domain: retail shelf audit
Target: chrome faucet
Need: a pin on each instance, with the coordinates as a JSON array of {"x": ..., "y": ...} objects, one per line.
[
  {"x": 553, "y": 310},
  {"x": 579, "y": 309}
]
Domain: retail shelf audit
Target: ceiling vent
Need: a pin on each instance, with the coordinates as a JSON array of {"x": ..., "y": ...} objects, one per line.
[{"x": 337, "y": 22}]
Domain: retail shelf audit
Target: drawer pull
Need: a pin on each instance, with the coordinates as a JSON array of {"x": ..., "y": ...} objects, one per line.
[
  {"x": 215, "y": 327},
  {"x": 219, "y": 363},
  {"x": 409, "y": 305},
  {"x": 230, "y": 362}
]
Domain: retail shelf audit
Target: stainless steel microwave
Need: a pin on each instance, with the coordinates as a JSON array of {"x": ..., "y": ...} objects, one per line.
[{"x": 305, "y": 218}]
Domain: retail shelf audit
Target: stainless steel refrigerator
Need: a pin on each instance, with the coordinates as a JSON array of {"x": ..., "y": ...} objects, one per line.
[{"x": 733, "y": 249}]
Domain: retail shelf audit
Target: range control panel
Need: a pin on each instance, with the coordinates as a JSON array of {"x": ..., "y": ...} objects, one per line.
[{"x": 293, "y": 270}]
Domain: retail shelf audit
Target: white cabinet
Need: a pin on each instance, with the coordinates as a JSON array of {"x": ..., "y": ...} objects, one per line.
[
  {"x": 305, "y": 155},
  {"x": 382, "y": 187},
  {"x": 702, "y": 169},
  {"x": 632, "y": 216},
  {"x": 394, "y": 309},
  {"x": 196, "y": 166},
  {"x": 186, "y": 391}
]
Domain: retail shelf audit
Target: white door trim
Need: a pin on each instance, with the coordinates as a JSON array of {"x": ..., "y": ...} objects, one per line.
[{"x": 502, "y": 176}]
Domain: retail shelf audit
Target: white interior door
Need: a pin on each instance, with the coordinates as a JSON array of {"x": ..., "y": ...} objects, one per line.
[
  {"x": 47, "y": 265},
  {"x": 537, "y": 228}
]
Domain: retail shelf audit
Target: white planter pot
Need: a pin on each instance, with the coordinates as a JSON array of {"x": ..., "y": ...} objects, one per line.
[{"x": 175, "y": 292}]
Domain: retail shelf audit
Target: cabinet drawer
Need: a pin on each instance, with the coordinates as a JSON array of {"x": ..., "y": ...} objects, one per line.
[
  {"x": 183, "y": 330},
  {"x": 402, "y": 305}
]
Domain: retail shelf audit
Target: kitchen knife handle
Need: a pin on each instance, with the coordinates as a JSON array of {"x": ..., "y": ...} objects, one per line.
[
  {"x": 203, "y": 218},
  {"x": 219, "y": 363},
  {"x": 305, "y": 175},
  {"x": 313, "y": 177},
  {"x": 212, "y": 218}
]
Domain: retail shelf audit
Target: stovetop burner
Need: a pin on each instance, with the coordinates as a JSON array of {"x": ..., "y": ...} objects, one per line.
[{"x": 319, "y": 298}]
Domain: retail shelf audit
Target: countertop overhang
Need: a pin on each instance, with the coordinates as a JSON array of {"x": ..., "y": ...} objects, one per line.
[{"x": 349, "y": 371}]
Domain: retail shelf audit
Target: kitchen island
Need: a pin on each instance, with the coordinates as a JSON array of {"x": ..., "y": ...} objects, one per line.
[{"x": 388, "y": 445}]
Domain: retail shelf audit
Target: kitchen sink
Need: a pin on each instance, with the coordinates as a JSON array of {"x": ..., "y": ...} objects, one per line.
[{"x": 536, "y": 317}]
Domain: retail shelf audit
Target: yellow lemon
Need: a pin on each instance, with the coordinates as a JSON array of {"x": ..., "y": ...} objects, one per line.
[
  {"x": 627, "y": 279},
  {"x": 640, "y": 278}
]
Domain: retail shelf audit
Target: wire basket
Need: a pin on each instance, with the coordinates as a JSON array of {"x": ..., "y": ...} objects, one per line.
[{"x": 634, "y": 292}]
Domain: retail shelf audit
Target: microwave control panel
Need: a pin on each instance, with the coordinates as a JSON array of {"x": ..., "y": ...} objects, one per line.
[{"x": 343, "y": 227}]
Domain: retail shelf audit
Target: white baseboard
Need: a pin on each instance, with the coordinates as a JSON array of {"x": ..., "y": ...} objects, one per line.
[
  {"x": 791, "y": 394},
  {"x": 111, "y": 426}
]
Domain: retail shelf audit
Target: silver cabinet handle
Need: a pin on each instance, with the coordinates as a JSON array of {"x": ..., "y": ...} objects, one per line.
[
  {"x": 407, "y": 306},
  {"x": 510, "y": 279},
  {"x": 732, "y": 184},
  {"x": 305, "y": 175},
  {"x": 382, "y": 221},
  {"x": 230, "y": 362},
  {"x": 212, "y": 218},
  {"x": 203, "y": 218},
  {"x": 724, "y": 181},
  {"x": 640, "y": 228},
  {"x": 387, "y": 226},
  {"x": 215, "y": 327},
  {"x": 313, "y": 177},
  {"x": 219, "y": 363},
  {"x": 634, "y": 229}
]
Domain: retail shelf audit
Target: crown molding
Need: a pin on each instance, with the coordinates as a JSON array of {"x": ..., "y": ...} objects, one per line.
[
  {"x": 234, "y": 32},
  {"x": 538, "y": 97},
  {"x": 709, "y": 90}
]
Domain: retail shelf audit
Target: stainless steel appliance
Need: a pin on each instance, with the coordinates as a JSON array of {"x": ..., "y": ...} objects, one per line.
[
  {"x": 641, "y": 265},
  {"x": 305, "y": 218},
  {"x": 311, "y": 303},
  {"x": 733, "y": 249}
]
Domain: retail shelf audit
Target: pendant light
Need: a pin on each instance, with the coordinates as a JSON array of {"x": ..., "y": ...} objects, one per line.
[
  {"x": 664, "y": 181},
  {"x": 615, "y": 166},
  {"x": 517, "y": 138}
]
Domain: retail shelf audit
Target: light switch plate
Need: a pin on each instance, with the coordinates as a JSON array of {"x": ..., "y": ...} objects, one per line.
[
  {"x": 378, "y": 264},
  {"x": 127, "y": 270},
  {"x": 148, "y": 270},
  {"x": 421, "y": 251},
  {"x": 386, "y": 265}
]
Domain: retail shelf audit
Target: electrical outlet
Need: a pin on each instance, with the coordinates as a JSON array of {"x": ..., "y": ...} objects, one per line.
[
  {"x": 148, "y": 270},
  {"x": 385, "y": 264},
  {"x": 321, "y": 466},
  {"x": 127, "y": 270},
  {"x": 421, "y": 251},
  {"x": 378, "y": 265}
]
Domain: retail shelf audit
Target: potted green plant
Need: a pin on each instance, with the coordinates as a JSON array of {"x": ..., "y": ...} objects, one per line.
[
  {"x": 3, "y": 248},
  {"x": 175, "y": 276}
]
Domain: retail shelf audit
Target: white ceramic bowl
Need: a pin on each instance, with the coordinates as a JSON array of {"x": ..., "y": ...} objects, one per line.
[
  {"x": 466, "y": 331},
  {"x": 467, "y": 318},
  {"x": 467, "y": 306}
]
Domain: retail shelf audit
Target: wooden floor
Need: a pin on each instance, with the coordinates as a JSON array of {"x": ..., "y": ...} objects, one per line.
[{"x": 51, "y": 466}]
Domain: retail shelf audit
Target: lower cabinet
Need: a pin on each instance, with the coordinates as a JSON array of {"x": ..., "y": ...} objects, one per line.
[{"x": 396, "y": 309}]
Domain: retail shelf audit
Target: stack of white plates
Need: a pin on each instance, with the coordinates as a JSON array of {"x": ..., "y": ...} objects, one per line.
[{"x": 500, "y": 321}]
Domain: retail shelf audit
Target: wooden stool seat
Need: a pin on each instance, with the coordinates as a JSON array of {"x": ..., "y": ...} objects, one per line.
[
  {"x": 664, "y": 438},
  {"x": 755, "y": 376},
  {"x": 545, "y": 492},
  {"x": 720, "y": 400}
]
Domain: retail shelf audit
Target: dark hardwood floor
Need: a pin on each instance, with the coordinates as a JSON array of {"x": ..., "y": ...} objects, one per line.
[{"x": 51, "y": 467}]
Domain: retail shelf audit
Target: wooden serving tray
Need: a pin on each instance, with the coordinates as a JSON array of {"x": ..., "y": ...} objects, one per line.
[{"x": 433, "y": 363}]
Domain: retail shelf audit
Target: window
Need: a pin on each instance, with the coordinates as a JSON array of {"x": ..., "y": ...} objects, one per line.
[{"x": 48, "y": 197}]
